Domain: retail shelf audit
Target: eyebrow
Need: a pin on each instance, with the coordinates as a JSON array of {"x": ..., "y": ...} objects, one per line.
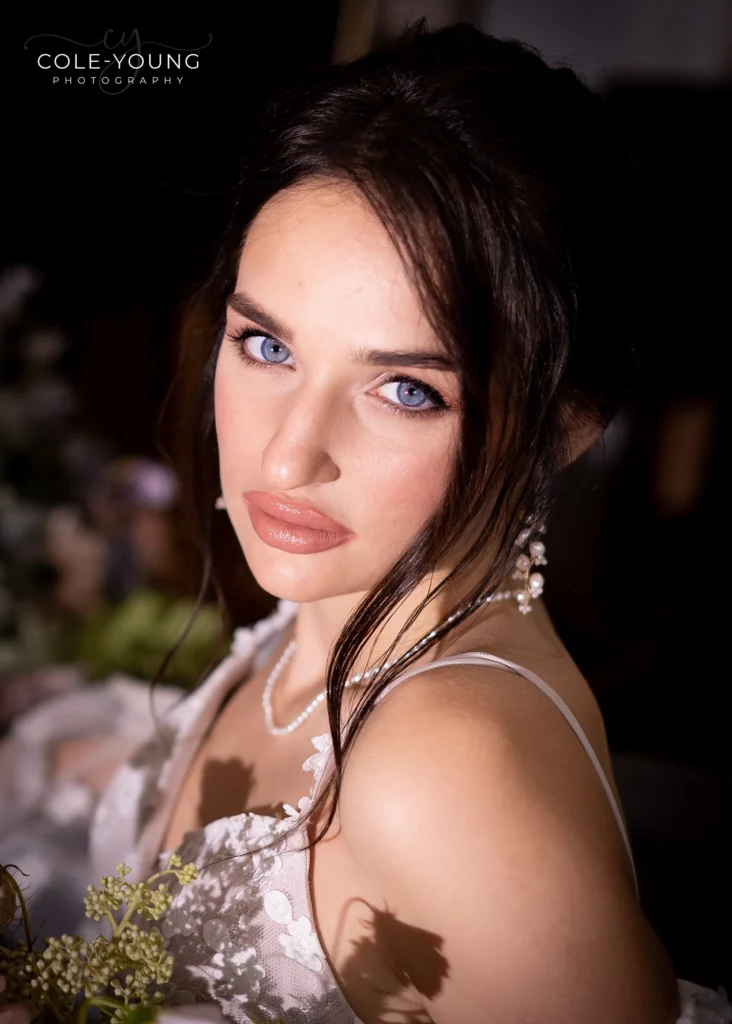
[{"x": 244, "y": 305}]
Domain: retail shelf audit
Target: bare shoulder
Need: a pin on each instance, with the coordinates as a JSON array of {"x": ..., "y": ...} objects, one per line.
[
  {"x": 458, "y": 811},
  {"x": 482, "y": 737},
  {"x": 463, "y": 721}
]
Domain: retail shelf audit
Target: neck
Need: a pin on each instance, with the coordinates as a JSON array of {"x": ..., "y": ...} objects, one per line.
[{"x": 318, "y": 624}]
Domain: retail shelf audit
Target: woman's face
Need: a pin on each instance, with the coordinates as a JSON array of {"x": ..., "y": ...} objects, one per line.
[{"x": 340, "y": 399}]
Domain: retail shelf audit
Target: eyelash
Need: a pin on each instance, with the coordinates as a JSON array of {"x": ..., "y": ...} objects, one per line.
[{"x": 439, "y": 406}]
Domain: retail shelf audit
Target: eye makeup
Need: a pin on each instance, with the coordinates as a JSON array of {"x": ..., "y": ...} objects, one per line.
[{"x": 438, "y": 403}]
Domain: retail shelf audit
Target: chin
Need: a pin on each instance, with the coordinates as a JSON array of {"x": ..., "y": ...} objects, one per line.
[
  {"x": 301, "y": 578},
  {"x": 291, "y": 587}
]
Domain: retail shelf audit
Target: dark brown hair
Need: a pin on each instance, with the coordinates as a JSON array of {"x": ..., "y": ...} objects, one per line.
[{"x": 504, "y": 188}]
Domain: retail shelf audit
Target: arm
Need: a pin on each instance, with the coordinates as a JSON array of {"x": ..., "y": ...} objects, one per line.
[
  {"x": 465, "y": 832},
  {"x": 92, "y": 760}
]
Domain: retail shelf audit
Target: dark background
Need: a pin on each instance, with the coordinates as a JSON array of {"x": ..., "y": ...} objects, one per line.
[
  {"x": 120, "y": 202},
  {"x": 120, "y": 199}
]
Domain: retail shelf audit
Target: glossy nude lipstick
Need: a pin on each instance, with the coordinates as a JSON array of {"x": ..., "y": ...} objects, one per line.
[{"x": 292, "y": 525}]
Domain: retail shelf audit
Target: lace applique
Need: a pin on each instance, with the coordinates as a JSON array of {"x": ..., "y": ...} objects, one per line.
[
  {"x": 318, "y": 762},
  {"x": 243, "y": 935},
  {"x": 238, "y": 973},
  {"x": 301, "y": 941},
  {"x": 235, "y": 971},
  {"x": 250, "y": 832},
  {"x": 303, "y": 805}
]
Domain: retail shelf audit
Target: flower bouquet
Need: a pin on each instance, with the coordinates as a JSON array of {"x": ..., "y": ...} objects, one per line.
[{"x": 115, "y": 978}]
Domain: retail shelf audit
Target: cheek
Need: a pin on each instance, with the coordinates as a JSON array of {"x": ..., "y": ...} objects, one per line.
[
  {"x": 391, "y": 476},
  {"x": 236, "y": 427},
  {"x": 402, "y": 488}
]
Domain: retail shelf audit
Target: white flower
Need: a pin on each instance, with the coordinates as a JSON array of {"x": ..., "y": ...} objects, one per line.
[
  {"x": 301, "y": 944},
  {"x": 303, "y": 805},
  {"x": 301, "y": 941},
  {"x": 316, "y": 763}
]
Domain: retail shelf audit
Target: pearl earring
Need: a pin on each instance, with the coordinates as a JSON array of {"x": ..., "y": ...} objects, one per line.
[
  {"x": 533, "y": 582},
  {"x": 220, "y": 503}
]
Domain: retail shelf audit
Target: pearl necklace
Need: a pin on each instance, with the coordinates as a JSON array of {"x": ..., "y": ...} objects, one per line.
[{"x": 282, "y": 730}]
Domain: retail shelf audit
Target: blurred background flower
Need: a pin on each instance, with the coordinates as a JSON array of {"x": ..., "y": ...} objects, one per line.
[{"x": 90, "y": 580}]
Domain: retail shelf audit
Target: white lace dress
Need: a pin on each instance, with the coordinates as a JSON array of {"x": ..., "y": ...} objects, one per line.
[{"x": 242, "y": 935}]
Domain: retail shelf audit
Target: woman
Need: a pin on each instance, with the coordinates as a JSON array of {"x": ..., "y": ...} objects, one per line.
[{"x": 423, "y": 317}]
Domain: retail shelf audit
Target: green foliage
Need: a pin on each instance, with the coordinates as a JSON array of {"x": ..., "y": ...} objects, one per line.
[
  {"x": 134, "y": 637},
  {"x": 120, "y": 976}
]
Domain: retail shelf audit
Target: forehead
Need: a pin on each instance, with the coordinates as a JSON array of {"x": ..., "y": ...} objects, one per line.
[
  {"x": 330, "y": 217},
  {"x": 319, "y": 252}
]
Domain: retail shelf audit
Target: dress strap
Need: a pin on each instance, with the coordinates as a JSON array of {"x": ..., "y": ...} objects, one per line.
[{"x": 483, "y": 658}]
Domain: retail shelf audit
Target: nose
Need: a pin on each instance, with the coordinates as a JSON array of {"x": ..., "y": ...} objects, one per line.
[{"x": 298, "y": 452}]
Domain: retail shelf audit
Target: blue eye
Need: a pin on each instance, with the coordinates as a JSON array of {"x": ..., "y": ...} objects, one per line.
[
  {"x": 270, "y": 351},
  {"x": 409, "y": 394},
  {"x": 411, "y": 397}
]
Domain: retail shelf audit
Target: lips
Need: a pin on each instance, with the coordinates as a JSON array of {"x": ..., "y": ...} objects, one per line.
[{"x": 296, "y": 513}]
